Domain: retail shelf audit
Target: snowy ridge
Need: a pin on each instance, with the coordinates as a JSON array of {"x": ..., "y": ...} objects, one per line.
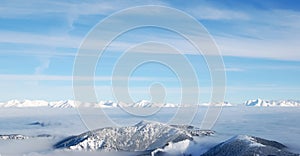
[
  {"x": 101, "y": 104},
  {"x": 272, "y": 103},
  {"x": 57, "y": 104},
  {"x": 144, "y": 136}
]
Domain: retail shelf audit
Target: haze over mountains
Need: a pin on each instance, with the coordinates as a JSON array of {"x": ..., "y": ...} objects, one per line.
[{"x": 140, "y": 104}]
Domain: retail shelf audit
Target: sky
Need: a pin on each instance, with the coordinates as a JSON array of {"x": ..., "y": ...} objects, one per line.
[{"x": 258, "y": 42}]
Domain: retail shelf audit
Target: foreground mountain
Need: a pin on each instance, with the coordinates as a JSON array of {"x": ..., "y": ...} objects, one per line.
[
  {"x": 272, "y": 103},
  {"x": 243, "y": 145},
  {"x": 144, "y": 136}
]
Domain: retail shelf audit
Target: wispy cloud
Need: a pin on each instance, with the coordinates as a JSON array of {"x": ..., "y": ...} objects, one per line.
[
  {"x": 273, "y": 31},
  {"x": 231, "y": 69},
  {"x": 43, "y": 66},
  {"x": 206, "y": 12},
  {"x": 251, "y": 31},
  {"x": 41, "y": 40},
  {"x": 273, "y": 49},
  {"x": 33, "y": 7}
]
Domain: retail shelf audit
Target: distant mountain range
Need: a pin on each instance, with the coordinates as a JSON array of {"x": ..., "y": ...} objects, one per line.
[
  {"x": 101, "y": 104},
  {"x": 272, "y": 103},
  {"x": 139, "y": 104},
  {"x": 73, "y": 104}
]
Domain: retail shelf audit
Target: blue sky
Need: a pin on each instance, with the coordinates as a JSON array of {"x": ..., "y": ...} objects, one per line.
[{"x": 258, "y": 40}]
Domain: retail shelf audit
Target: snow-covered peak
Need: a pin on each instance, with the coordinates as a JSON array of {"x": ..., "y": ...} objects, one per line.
[{"x": 272, "y": 103}]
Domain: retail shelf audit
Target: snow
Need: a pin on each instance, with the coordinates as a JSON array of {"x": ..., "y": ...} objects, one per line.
[
  {"x": 249, "y": 145},
  {"x": 25, "y": 103},
  {"x": 143, "y": 136},
  {"x": 272, "y": 103},
  {"x": 74, "y": 104},
  {"x": 252, "y": 141}
]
